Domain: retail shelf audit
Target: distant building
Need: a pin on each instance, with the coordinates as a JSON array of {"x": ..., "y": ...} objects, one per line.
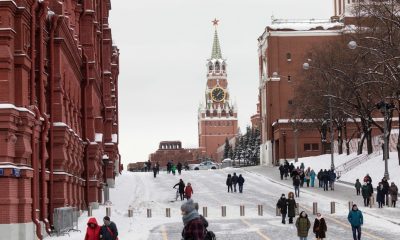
[
  {"x": 173, "y": 151},
  {"x": 217, "y": 116}
]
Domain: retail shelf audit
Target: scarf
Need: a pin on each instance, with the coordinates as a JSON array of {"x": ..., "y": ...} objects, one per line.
[{"x": 190, "y": 216}]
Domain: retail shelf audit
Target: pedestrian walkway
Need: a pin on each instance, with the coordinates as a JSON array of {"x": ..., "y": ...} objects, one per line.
[{"x": 344, "y": 192}]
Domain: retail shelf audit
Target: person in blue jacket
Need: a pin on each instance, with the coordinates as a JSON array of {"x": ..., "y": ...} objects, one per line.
[{"x": 355, "y": 218}]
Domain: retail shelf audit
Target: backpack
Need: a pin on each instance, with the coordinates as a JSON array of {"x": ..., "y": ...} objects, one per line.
[{"x": 210, "y": 236}]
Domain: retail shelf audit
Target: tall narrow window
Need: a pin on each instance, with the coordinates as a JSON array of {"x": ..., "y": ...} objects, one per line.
[{"x": 288, "y": 57}]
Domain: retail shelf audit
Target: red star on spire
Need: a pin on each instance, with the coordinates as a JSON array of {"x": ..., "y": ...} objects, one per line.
[{"x": 215, "y": 22}]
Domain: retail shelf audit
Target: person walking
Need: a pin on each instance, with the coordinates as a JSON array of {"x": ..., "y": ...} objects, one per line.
[
  {"x": 173, "y": 169},
  {"x": 365, "y": 194},
  {"x": 312, "y": 177},
  {"x": 282, "y": 205},
  {"x": 109, "y": 230},
  {"x": 307, "y": 177},
  {"x": 188, "y": 191},
  {"x": 286, "y": 169},
  {"x": 302, "y": 166},
  {"x": 181, "y": 188},
  {"x": 291, "y": 202},
  {"x": 179, "y": 168},
  {"x": 302, "y": 177},
  {"x": 367, "y": 178},
  {"x": 240, "y": 182},
  {"x": 281, "y": 171},
  {"x": 303, "y": 226},
  {"x": 332, "y": 179},
  {"x": 370, "y": 192},
  {"x": 356, "y": 220},
  {"x": 92, "y": 230},
  {"x": 169, "y": 165},
  {"x": 320, "y": 227},
  {"x": 291, "y": 168},
  {"x": 386, "y": 186},
  {"x": 296, "y": 185},
  {"x": 234, "y": 181},
  {"x": 393, "y": 191},
  {"x": 193, "y": 225},
  {"x": 155, "y": 170},
  {"x": 319, "y": 177},
  {"x": 325, "y": 178},
  {"x": 380, "y": 195},
  {"x": 229, "y": 182},
  {"x": 357, "y": 185}
]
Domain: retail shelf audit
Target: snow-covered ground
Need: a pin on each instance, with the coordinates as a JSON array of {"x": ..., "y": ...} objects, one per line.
[
  {"x": 323, "y": 161},
  {"x": 141, "y": 191}
]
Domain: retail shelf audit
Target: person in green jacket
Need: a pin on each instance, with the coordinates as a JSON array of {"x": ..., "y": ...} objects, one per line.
[
  {"x": 303, "y": 226},
  {"x": 356, "y": 219},
  {"x": 173, "y": 169}
]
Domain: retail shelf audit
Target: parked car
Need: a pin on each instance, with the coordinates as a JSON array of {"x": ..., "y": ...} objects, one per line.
[{"x": 204, "y": 166}]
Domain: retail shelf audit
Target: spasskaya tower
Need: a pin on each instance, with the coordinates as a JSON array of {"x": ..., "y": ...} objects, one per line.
[{"x": 217, "y": 116}]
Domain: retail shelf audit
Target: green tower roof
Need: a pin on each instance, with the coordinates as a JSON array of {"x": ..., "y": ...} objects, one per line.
[{"x": 216, "y": 49}]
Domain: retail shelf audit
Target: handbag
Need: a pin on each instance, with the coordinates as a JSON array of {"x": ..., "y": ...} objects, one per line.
[{"x": 112, "y": 234}]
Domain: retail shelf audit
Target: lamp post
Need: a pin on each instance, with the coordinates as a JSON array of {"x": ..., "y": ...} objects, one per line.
[
  {"x": 384, "y": 107},
  {"x": 306, "y": 66},
  {"x": 284, "y": 144}
]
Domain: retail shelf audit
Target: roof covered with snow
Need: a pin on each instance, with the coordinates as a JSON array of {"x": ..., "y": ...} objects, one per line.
[{"x": 304, "y": 25}]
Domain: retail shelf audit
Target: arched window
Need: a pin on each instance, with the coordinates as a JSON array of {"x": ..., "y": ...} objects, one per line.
[
  {"x": 223, "y": 67},
  {"x": 210, "y": 67},
  {"x": 217, "y": 67}
]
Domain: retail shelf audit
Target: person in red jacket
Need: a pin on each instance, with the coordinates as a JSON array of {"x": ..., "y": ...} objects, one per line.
[
  {"x": 188, "y": 191},
  {"x": 93, "y": 230}
]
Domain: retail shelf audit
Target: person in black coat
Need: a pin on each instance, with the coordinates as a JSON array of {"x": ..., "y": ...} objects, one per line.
[
  {"x": 229, "y": 182},
  {"x": 296, "y": 184},
  {"x": 291, "y": 167},
  {"x": 386, "y": 186},
  {"x": 325, "y": 179},
  {"x": 380, "y": 195},
  {"x": 234, "y": 181},
  {"x": 155, "y": 171},
  {"x": 109, "y": 230},
  {"x": 240, "y": 182},
  {"x": 181, "y": 186},
  {"x": 320, "y": 227},
  {"x": 291, "y": 207},
  {"x": 281, "y": 171},
  {"x": 302, "y": 176},
  {"x": 179, "y": 167},
  {"x": 282, "y": 205},
  {"x": 319, "y": 177}
]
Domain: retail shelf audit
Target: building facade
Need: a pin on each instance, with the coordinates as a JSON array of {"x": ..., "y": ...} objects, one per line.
[
  {"x": 58, "y": 110},
  {"x": 173, "y": 151},
  {"x": 217, "y": 116},
  {"x": 284, "y": 47}
]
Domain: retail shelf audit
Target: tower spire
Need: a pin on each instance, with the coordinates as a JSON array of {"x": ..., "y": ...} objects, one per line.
[{"x": 216, "y": 49}]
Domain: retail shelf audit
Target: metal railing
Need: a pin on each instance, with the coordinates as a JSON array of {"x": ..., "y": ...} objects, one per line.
[
  {"x": 65, "y": 220},
  {"x": 349, "y": 165}
]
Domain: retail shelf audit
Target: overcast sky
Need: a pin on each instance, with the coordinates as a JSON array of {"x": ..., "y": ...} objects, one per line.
[{"x": 164, "y": 45}]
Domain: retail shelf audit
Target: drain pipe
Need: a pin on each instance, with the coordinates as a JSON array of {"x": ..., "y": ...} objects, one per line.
[
  {"x": 45, "y": 128},
  {"x": 85, "y": 70},
  {"x": 53, "y": 19},
  {"x": 34, "y": 159}
]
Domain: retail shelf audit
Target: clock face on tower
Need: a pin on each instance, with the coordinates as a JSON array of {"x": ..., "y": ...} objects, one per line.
[{"x": 218, "y": 94}]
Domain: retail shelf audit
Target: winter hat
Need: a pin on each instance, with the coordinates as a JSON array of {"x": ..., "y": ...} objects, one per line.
[
  {"x": 107, "y": 218},
  {"x": 188, "y": 206}
]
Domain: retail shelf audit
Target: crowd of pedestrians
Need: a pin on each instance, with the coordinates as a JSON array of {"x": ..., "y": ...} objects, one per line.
[
  {"x": 385, "y": 194},
  {"x": 302, "y": 177},
  {"x": 232, "y": 181}
]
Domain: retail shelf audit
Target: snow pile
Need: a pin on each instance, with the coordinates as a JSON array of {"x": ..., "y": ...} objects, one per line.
[{"x": 323, "y": 161}]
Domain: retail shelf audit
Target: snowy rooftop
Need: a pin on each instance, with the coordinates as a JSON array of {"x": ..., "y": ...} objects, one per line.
[{"x": 304, "y": 25}]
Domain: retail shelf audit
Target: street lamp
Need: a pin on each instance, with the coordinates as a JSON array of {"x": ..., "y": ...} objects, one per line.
[
  {"x": 384, "y": 107},
  {"x": 284, "y": 144},
  {"x": 306, "y": 66}
]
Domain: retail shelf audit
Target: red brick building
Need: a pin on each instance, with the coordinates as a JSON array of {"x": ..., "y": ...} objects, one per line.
[
  {"x": 173, "y": 151},
  {"x": 58, "y": 110},
  {"x": 217, "y": 117},
  {"x": 283, "y": 48}
]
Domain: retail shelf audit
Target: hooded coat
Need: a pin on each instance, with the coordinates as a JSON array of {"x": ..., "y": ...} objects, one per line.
[
  {"x": 291, "y": 207},
  {"x": 320, "y": 228},
  {"x": 282, "y": 205},
  {"x": 92, "y": 233},
  {"x": 303, "y": 226},
  {"x": 393, "y": 190}
]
